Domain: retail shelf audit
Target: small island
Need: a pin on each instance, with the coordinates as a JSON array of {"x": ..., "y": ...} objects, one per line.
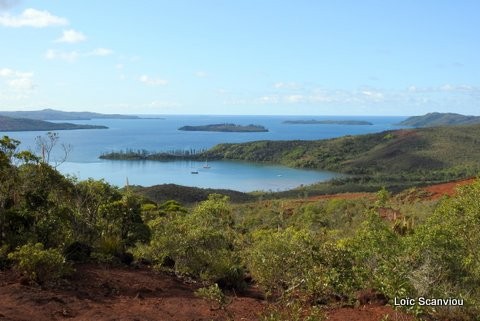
[
  {"x": 327, "y": 122},
  {"x": 226, "y": 128},
  {"x": 10, "y": 124}
]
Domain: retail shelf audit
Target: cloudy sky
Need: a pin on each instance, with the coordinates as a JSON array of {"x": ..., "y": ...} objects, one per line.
[{"x": 312, "y": 57}]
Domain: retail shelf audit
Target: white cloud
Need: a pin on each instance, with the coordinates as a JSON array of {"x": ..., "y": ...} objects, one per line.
[
  {"x": 147, "y": 80},
  {"x": 32, "y": 18},
  {"x": 5, "y": 72},
  {"x": 101, "y": 52},
  {"x": 21, "y": 84},
  {"x": 18, "y": 84},
  {"x": 71, "y": 56},
  {"x": 71, "y": 36}
]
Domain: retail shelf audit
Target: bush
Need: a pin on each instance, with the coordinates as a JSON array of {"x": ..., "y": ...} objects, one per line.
[
  {"x": 200, "y": 245},
  {"x": 215, "y": 295},
  {"x": 281, "y": 260},
  {"x": 40, "y": 265}
]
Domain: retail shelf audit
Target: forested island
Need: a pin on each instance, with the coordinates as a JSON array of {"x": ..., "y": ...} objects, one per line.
[
  {"x": 24, "y": 124},
  {"x": 440, "y": 119},
  {"x": 327, "y": 122},
  {"x": 226, "y": 128}
]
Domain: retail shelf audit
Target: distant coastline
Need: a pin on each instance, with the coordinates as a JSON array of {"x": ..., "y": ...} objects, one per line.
[
  {"x": 9, "y": 124},
  {"x": 52, "y": 114},
  {"x": 327, "y": 122},
  {"x": 226, "y": 128}
]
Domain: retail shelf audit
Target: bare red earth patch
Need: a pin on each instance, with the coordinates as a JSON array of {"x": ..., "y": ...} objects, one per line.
[{"x": 449, "y": 188}]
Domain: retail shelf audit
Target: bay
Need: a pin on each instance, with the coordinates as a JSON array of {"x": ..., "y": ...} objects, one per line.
[{"x": 160, "y": 133}]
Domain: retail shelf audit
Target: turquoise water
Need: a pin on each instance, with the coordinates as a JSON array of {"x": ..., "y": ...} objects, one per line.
[{"x": 162, "y": 135}]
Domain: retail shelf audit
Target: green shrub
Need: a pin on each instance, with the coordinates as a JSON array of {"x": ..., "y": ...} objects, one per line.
[
  {"x": 214, "y": 294},
  {"x": 280, "y": 260},
  {"x": 201, "y": 244},
  {"x": 40, "y": 265},
  {"x": 293, "y": 310}
]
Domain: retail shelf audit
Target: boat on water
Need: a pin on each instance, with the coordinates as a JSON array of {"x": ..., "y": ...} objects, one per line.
[
  {"x": 206, "y": 164},
  {"x": 194, "y": 172}
]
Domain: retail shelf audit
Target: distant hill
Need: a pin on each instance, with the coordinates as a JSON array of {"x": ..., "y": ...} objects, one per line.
[
  {"x": 52, "y": 114},
  {"x": 187, "y": 195},
  {"x": 328, "y": 122},
  {"x": 440, "y": 119},
  {"x": 23, "y": 124},
  {"x": 225, "y": 128}
]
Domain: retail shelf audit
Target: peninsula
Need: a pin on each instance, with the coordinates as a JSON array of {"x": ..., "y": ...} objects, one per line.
[
  {"x": 9, "y": 124},
  {"x": 52, "y": 114},
  {"x": 327, "y": 122},
  {"x": 440, "y": 119},
  {"x": 225, "y": 128}
]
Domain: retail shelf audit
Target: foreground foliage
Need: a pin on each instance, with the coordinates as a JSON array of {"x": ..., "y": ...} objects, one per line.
[{"x": 303, "y": 254}]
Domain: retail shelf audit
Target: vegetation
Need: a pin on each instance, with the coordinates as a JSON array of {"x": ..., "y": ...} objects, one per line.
[
  {"x": 328, "y": 122},
  {"x": 40, "y": 265},
  {"x": 225, "y": 128},
  {"x": 142, "y": 154},
  {"x": 24, "y": 124},
  {"x": 52, "y": 114},
  {"x": 440, "y": 119},
  {"x": 396, "y": 159},
  {"x": 303, "y": 254},
  {"x": 186, "y": 194}
]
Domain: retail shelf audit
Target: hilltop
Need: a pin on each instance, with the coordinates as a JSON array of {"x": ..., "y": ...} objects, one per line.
[
  {"x": 440, "y": 119},
  {"x": 52, "y": 114},
  {"x": 24, "y": 124}
]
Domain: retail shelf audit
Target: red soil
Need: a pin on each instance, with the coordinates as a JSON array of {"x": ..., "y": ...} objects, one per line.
[
  {"x": 449, "y": 188},
  {"x": 120, "y": 293}
]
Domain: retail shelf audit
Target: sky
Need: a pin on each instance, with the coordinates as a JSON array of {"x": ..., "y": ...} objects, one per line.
[{"x": 265, "y": 57}]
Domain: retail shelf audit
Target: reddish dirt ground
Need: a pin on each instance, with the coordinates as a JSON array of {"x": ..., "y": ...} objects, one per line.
[
  {"x": 121, "y": 293},
  {"x": 96, "y": 293},
  {"x": 449, "y": 188}
]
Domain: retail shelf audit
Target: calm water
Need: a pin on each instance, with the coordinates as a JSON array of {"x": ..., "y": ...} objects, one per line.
[{"x": 162, "y": 135}]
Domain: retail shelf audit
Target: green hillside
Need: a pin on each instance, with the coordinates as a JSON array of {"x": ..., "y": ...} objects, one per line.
[
  {"x": 440, "y": 119},
  {"x": 9, "y": 124},
  {"x": 186, "y": 194},
  {"x": 388, "y": 152}
]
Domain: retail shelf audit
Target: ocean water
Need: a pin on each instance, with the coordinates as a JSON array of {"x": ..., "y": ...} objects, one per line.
[{"x": 160, "y": 133}]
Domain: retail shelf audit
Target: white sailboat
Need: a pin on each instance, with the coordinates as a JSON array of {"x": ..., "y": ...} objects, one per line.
[{"x": 206, "y": 164}]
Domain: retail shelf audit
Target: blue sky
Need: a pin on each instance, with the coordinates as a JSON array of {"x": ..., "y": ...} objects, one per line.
[{"x": 310, "y": 57}]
